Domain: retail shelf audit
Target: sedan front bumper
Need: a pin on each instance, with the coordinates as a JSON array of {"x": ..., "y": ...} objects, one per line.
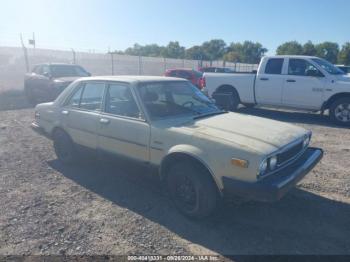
[
  {"x": 277, "y": 185},
  {"x": 39, "y": 130}
]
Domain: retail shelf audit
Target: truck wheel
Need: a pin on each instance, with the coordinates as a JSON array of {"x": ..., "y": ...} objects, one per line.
[
  {"x": 64, "y": 147},
  {"x": 340, "y": 111},
  {"x": 234, "y": 102},
  {"x": 192, "y": 191},
  {"x": 249, "y": 105}
]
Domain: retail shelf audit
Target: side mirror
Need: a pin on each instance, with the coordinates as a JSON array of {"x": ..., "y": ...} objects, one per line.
[
  {"x": 88, "y": 73},
  {"x": 47, "y": 74}
]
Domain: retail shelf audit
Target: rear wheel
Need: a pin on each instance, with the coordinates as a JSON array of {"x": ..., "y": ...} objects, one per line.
[
  {"x": 192, "y": 190},
  {"x": 227, "y": 100},
  {"x": 340, "y": 111},
  {"x": 64, "y": 147},
  {"x": 249, "y": 105}
]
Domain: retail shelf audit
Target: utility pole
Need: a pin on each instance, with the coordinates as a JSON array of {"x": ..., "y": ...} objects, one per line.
[
  {"x": 34, "y": 42},
  {"x": 25, "y": 54}
]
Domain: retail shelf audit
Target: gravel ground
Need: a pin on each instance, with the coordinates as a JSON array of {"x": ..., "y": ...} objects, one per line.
[{"x": 115, "y": 207}]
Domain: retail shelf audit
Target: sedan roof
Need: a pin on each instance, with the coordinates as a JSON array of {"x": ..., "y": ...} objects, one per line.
[{"x": 131, "y": 78}]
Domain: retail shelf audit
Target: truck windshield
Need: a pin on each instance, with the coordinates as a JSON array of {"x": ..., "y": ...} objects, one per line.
[
  {"x": 330, "y": 68},
  {"x": 169, "y": 99},
  {"x": 67, "y": 70}
]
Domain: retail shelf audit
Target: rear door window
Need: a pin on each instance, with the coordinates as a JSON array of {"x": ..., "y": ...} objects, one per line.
[{"x": 274, "y": 66}]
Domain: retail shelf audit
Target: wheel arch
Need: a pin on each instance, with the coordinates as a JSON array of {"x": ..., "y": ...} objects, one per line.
[
  {"x": 333, "y": 98},
  {"x": 58, "y": 128},
  {"x": 226, "y": 88},
  {"x": 181, "y": 155}
]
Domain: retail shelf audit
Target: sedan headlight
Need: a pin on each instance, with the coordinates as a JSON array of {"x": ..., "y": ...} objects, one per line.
[
  {"x": 263, "y": 167},
  {"x": 306, "y": 141},
  {"x": 273, "y": 162}
]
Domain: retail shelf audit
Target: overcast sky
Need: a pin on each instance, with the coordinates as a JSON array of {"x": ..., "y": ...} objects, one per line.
[{"x": 101, "y": 24}]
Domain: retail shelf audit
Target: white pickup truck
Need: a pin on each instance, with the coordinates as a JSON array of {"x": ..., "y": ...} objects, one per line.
[{"x": 297, "y": 82}]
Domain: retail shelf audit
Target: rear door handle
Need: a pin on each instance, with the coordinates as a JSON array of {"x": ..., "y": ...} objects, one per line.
[
  {"x": 104, "y": 121},
  {"x": 291, "y": 80},
  {"x": 264, "y": 79},
  {"x": 65, "y": 112}
]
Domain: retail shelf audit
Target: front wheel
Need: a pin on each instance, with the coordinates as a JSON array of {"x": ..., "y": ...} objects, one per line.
[
  {"x": 192, "y": 190},
  {"x": 340, "y": 111},
  {"x": 64, "y": 147}
]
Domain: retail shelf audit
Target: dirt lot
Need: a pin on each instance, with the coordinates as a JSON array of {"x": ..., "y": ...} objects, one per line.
[{"x": 115, "y": 208}]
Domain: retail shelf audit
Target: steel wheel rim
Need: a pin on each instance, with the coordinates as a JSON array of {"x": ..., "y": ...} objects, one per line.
[
  {"x": 185, "y": 193},
  {"x": 342, "y": 112}
]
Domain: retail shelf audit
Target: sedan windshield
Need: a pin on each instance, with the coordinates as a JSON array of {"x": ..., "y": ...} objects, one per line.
[
  {"x": 169, "y": 99},
  {"x": 330, "y": 68},
  {"x": 67, "y": 70}
]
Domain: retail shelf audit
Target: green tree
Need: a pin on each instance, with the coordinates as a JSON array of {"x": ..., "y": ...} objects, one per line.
[
  {"x": 248, "y": 52},
  {"x": 196, "y": 52},
  {"x": 328, "y": 51},
  {"x": 147, "y": 50},
  {"x": 214, "y": 49},
  {"x": 174, "y": 50},
  {"x": 344, "y": 54},
  {"x": 290, "y": 48},
  {"x": 232, "y": 56},
  {"x": 309, "y": 49}
]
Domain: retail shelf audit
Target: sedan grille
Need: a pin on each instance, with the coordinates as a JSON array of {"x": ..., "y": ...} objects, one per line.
[{"x": 289, "y": 154}]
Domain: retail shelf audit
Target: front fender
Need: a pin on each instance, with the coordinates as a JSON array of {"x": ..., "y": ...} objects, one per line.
[{"x": 195, "y": 153}]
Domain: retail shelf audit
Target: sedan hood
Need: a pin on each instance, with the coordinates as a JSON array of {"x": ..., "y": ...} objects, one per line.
[{"x": 256, "y": 133}]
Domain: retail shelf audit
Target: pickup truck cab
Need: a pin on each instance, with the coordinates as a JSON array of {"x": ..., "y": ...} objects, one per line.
[
  {"x": 201, "y": 153},
  {"x": 296, "y": 82}
]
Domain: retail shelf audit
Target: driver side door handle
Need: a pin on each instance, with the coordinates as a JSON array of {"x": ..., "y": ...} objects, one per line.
[{"x": 104, "y": 121}]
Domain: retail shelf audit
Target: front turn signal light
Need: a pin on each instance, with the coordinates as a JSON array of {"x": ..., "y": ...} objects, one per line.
[{"x": 240, "y": 162}]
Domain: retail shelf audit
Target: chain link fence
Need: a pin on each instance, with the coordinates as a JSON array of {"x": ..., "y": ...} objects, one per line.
[{"x": 16, "y": 61}]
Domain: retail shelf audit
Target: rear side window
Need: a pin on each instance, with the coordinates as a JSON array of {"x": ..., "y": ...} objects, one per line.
[
  {"x": 172, "y": 73},
  {"x": 91, "y": 98},
  {"x": 274, "y": 66},
  {"x": 184, "y": 74}
]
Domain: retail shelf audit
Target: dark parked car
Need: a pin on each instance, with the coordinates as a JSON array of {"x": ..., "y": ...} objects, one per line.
[
  {"x": 195, "y": 77},
  {"x": 47, "y": 81},
  {"x": 216, "y": 70},
  {"x": 345, "y": 69}
]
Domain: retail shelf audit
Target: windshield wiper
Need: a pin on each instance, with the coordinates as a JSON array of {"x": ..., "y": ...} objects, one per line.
[{"x": 210, "y": 114}]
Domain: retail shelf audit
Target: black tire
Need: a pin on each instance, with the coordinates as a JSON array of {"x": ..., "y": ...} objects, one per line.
[
  {"x": 192, "y": 190},
  {"x": 249, "y": 105},
  {"x": 228, "y": 101},
  {"x": 64, "y": 147},
  {"x": 234, "y": 102},
  {"x": 339, "y": 111}
]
